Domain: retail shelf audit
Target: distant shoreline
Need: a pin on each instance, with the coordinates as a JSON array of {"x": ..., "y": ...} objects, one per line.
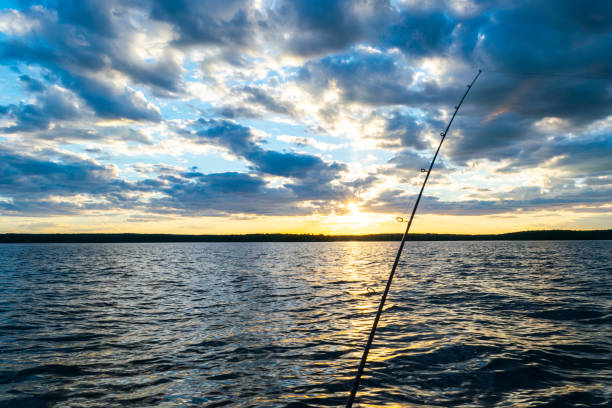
[{"x": 548, "y": 235}]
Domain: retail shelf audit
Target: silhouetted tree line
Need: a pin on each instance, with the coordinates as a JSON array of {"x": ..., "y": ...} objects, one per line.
[{"x": 114, "y": 238}]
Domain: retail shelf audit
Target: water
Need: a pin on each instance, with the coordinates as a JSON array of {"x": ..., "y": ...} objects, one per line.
[{"x": 467, "y": 324}]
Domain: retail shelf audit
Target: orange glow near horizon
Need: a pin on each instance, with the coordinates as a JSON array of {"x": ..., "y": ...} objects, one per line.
[{"x": 352, "y": 222}]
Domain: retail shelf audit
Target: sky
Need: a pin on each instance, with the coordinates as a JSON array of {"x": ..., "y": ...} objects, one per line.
[{"x": 303, "y": 116}]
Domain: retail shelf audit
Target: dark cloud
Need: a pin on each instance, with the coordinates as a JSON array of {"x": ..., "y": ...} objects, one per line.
[
  {"x": 207, "y": 22},
  {"x": 240, "y": 141},
  {"x": 254, "y": 102},
  {"x": 599, "y": 181},
  {"x": 32, "y": 84},
  {"x": 69, "y": 133},
  {"x": 235, "y": 112},
  {"x": 224, "y": 193},
  {"x": 505, "y": 136},
  {"x": 223, "y": 133},
  {"x": 164, "y": 76},
  {"x": 110, "y": 101},
  {"x": 409, "y": 160},
  {"x": 498, "y": 120},
  {"x": 578, "y": 100},
  {"x": 369, "y": 77},
  {"x": 296, "y": 165},
  {"x": 407, "y": 131},
  {"x": 561, "y": 36},
  {"x": 421, "y": 34},
  {"x": 104, "y": 97},
  {"x": 40, "y": 207},
  {"x": 195, "y": 193},
  {"x": 260, "y": 97},
  {"x": 591, "y": 157},
  {"x": 231, "y": 192},
  {"x": 314, "y": 27},
  {"x": 95, "y": 16},
  {"x": 52, "y": 105},
  {"x": 28, "y": 176},
  {"x": 379, "y": 78}
]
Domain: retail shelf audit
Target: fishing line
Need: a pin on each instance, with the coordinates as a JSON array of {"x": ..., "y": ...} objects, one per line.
[
  {"x": 364, "y": 357},
  {"x": 550, "y": 74}
]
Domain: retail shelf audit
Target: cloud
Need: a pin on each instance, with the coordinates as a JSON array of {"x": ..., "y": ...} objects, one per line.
[
  {"x": 579, "y": 157},
  {"x": 41, "y": 207},
  {"x": 261, "y": 97},
  {"x": 223, "y": 133},
  {"x": 53, "y": 104},
  {"x": 373, "y": 78},
  {"x": 223, "y": 193},
  {"x": 109, "y": 101},
  {"x": 409, "y": 160},
  {"x": 310, "y": 28},
  {"x": 90, "y": 15},
  {"x": 407, "y": 131},
  {"x": 241, "y": 141},
  {"x": 254, "y": 102},
  {"x": 71, "y": 133},
  {"x": 420, "y": 33},
  {"x": 207, "y": 22},
  {"x": 505, "y": 136},
  {"x": 32, "y": 84},
  {"x": 545, "y": 35},
  {"x": 235, "y": 112},
  {"x": 29, "y": 175}
]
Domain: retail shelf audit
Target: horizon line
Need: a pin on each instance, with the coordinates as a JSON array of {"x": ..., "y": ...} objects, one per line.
[{"x": 10, "y": 237}]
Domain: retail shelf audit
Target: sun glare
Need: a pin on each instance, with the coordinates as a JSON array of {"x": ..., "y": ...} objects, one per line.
[{"x": 353, "y": 220}]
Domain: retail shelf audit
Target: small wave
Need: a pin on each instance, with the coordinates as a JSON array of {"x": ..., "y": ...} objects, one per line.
[
  {"x": 56, "y": 370},
  {"x": 570, "y": 314}
]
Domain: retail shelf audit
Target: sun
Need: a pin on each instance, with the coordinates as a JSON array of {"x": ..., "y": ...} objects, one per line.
[{"x": 353, "y": 220}]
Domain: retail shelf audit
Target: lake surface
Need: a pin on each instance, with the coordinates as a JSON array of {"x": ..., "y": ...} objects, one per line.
[{"x": 467, "y": 324}]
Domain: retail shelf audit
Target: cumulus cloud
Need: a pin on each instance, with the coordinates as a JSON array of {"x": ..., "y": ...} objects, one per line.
[
  {"x": 53, "y": 104},
  {"x": 223, "y": 193},
  {"x": 241, "y": 141},
  {"x": 311, "y": 28},
  {"x": 363, "y": 76},
  {"x": 207, "y": 22},
  {"x": 44, "y": 182}
]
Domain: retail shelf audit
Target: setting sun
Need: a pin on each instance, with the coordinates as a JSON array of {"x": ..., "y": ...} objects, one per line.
[{"x": 353, "y": 221}]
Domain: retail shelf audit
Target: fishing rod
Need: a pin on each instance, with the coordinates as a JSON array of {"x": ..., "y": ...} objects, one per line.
[{"x": 364, "y": 357}]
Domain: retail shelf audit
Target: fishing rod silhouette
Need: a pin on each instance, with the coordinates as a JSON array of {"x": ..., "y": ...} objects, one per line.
[{"x": 364, "y": 357}]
